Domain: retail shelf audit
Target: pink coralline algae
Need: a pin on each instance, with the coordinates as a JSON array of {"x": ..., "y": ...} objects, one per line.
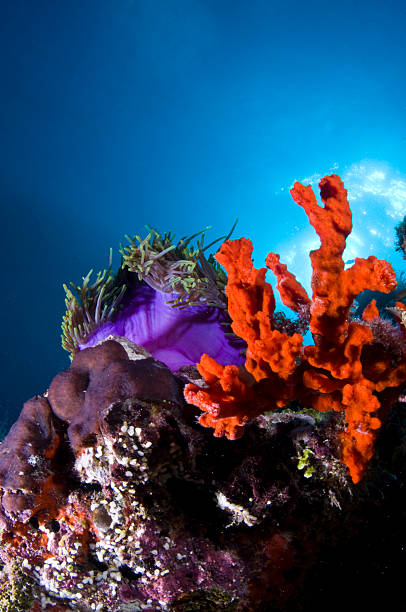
[{"x": 114, "y": 498}]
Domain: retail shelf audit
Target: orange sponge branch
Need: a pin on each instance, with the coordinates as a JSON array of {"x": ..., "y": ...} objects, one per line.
[{"x": 332, "y": 373}]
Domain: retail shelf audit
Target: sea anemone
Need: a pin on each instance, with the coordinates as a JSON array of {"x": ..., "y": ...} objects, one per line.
[
  {"x": 94, "y": 305},
  {"x": 168, "y": 298}
]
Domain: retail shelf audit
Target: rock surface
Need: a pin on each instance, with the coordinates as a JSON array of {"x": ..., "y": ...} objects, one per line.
[{"x": 113, "y": 498}]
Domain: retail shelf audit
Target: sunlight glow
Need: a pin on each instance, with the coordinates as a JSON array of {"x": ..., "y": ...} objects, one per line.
[{"x": 377, "y": 195}]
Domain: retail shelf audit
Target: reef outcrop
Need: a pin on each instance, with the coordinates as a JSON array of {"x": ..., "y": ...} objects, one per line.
[{"x": 114, "y": 498}]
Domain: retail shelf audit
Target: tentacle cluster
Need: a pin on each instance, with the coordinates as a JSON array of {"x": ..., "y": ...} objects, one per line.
[
  {"x": 92, "y": 305},
  {"x": 177, "y": 269}
]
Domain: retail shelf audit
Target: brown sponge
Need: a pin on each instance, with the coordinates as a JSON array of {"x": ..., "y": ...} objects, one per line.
[
  {"x": 99, "y": 376},
  {"x": 26, "y": 458}
]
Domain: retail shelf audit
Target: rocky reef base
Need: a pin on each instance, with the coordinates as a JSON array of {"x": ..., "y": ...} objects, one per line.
[{"x": 114, "y": 498}]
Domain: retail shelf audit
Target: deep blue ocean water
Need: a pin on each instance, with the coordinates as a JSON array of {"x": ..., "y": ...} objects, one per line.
[{"x": 183, "y": 114}]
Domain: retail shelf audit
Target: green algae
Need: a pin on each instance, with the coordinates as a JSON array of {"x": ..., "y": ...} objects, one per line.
[
  {"x": 208, "y": 600},
  {"x": 15, "y": 589}
]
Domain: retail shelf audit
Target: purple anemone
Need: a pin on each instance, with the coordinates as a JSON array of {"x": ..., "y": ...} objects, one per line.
[{"x": 178, "y": 337}]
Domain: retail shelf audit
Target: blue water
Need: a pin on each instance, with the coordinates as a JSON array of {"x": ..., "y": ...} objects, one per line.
[{"x": 183, "y": 114}]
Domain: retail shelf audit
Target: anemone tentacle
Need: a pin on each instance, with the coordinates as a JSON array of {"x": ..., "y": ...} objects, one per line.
[{"x": 92, "y": 305}]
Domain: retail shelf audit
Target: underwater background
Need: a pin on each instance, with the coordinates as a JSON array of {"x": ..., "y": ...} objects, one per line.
[{"x": 184, "y": 114}]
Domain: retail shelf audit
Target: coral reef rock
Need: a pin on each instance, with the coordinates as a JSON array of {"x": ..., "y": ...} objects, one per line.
[
  {"x": 114, "y": 498},
  {"x": 145, "y": 510}
]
